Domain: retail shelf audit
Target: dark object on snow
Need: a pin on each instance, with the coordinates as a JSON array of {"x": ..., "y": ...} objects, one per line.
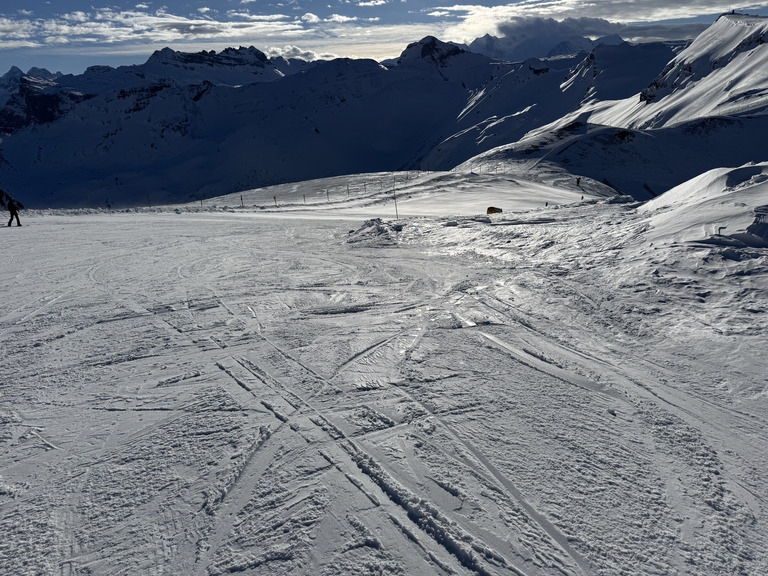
[
  {"x": 494, "y": 210},
  {"x": 13, "y": 208}
]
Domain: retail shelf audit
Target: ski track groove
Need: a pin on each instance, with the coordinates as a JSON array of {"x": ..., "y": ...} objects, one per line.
[
  {"x": 338, "y": 436},
  {"x": 217, "y": 333},
  {"x": 512, "y": 490},
  {"x": 339, "y": 439},
  {"x": 547, "y": 526}
]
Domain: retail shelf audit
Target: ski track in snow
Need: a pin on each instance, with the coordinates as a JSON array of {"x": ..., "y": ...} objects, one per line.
[{"x": 208, "y": 394}]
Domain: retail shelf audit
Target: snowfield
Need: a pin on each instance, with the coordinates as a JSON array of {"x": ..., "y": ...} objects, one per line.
[{"x": 295, "y": 382}]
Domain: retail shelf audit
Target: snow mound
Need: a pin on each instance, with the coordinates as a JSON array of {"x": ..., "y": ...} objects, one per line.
[
  {"x": 375, "y": 232},
  {"x": 725, "y": 206}
]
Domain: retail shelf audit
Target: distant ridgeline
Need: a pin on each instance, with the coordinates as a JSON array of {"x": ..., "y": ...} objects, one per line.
[{"x": 639, "y": 117}]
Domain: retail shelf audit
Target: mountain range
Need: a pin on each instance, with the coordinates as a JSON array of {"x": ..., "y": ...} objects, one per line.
[{"x": 641, "y": 118}]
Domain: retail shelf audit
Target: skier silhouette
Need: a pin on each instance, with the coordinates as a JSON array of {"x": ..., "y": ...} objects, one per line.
[{"x": 13, "y": 208}]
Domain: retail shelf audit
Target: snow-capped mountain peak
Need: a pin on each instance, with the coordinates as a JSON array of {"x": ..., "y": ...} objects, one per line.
[
  {"x": 732, "y": 38},
  {"x": 229, "y": 57},
  {"x": 432, "y": 50}
]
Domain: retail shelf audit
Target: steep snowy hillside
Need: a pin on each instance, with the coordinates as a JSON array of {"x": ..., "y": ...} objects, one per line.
[
  {"x": 614, "y": 72},
  {"x": 9, "y": 84},
  {"x": 650, "y": 142},
  {"x": 432, "y": 57},
  {"x": 36, "y": 101},
  {"x": 537, "y": 92},
  {"x": 721, "y": 73},
  {"x": 641, "y": 163}
]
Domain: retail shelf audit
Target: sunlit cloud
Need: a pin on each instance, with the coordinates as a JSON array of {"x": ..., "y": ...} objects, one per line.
[
  {"x": 289, "y": 51},
  {"x": 513, "y": 31},
  {"x": 476, "y": 20},
  {"x": 110, "y": 26},
  {"x": 339, "y": 19},
  {"x": 258, "y": 17}
]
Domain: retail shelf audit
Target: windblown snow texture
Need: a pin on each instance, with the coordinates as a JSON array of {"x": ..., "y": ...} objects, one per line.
[{"x": 289, "y": 381}]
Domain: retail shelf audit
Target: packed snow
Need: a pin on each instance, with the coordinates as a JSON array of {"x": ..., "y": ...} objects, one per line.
[
  {"x": 448, "y": 340},
  {"x": 288, "y": 382}
]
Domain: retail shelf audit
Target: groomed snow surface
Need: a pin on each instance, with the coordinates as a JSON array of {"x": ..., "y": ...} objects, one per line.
[{"x": 575, "y": 386}]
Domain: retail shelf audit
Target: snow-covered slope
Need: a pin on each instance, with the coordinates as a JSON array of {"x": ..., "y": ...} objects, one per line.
[
  {"x": 726, "y": 206},
  {"x": 720, "y": 73},
  {"x": 287, "y": 381},
  {"x": 232, "y": 67},
  {"x": 641, "y": 163},
  {"x": 173, "y": 143},
  {"x": 560, "y": 390},
  {"x": 23, "y": 95},
  {"x": 614, "y": 72},
  {"x": 432, "y": 57},
  {"x": 161, "y": 142},
  {"x": 10, "y": 82},
  {"x": 523, "y": 97},
  {"x": 649, "y": 142}
]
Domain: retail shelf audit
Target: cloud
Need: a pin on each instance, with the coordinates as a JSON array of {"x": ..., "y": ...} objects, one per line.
[
  {"x": 257, "y": 17},
  {"x": 659, "y": 32},
  {"x": 339, "y": 19},
  {"x": 296, "y": 52},
  {"x": 563, "y": 18},
  {"x": 110, "y": 26},
  {"x": 520, "y": 29},
  {"x": 626, "y": 11},
  {"x": 106, "y": 33},
  {"x": 14, "y": 30}
]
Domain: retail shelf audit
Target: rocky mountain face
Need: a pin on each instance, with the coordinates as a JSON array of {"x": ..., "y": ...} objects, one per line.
[
  {"x": 40, "y": 97},
  {"x": 36, "y": 101}
]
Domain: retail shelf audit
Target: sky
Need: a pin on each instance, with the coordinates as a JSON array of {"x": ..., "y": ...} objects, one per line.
[{"x": 70, "y": 35}]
